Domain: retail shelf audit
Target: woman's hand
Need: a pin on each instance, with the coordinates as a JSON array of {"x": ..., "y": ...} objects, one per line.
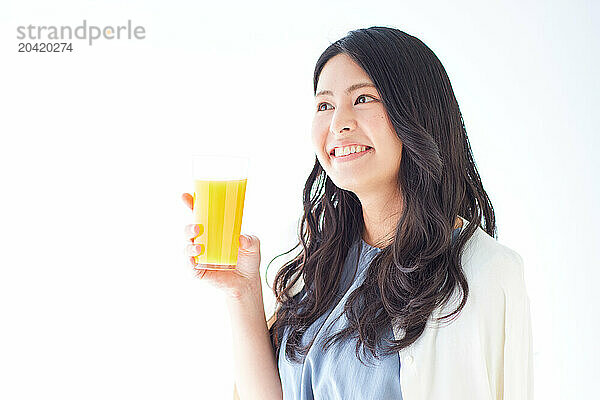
[{"x": 244, "y": 279}]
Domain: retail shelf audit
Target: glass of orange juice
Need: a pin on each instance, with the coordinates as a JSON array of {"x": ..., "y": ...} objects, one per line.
[{"x": 219, "y": 193}]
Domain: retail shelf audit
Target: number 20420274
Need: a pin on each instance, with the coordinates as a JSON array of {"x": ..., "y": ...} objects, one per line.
[{"x": 45, "y": 47}]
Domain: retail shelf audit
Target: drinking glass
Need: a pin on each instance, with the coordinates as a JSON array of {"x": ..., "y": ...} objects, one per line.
[{"x": 219, "y": 193}]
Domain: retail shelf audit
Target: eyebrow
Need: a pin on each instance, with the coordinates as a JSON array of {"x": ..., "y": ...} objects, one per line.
[{"x": 349, "y": 90}]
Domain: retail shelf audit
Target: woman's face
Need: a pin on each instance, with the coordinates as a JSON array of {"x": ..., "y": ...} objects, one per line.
[{"x": 348, "y": 110}]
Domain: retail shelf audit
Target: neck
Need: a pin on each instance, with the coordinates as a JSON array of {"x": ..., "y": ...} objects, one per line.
[{"x": 381, "y": 214}]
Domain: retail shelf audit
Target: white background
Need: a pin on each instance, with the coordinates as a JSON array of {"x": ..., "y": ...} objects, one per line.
[{"x": 96, "y": 298}]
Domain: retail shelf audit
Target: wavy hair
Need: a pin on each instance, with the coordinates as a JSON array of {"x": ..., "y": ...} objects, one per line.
[{"x": 438, "y": 181}]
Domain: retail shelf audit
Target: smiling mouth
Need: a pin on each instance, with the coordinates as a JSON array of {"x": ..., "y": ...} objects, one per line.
[{"x": 332, "y": 152}]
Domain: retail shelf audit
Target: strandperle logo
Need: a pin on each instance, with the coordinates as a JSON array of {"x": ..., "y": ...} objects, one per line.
[{"x": 83, "y": 32}]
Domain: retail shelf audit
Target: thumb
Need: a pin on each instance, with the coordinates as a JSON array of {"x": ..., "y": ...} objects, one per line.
[{"x": 249, "y": 243}]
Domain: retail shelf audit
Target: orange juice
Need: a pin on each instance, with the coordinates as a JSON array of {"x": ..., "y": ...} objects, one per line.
[{"x": 218, "y": 206}]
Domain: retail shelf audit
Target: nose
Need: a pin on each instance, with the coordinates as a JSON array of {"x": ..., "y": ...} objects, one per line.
[{"x": 343, "y": 119}]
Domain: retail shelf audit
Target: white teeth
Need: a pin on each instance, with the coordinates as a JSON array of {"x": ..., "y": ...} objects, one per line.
[{"x": 348, "y": 150}]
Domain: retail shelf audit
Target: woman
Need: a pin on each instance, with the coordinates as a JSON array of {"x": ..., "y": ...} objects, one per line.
[{"x": 400, "y": 290}]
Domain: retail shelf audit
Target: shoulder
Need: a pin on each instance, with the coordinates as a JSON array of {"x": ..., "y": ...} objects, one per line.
[
  {"x": 495, "y": 279},
  {"x": 488, "y": 263},
  {"x": 494, "y": 274}
]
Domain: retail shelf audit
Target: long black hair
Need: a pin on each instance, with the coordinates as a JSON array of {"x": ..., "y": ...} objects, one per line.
[{"x": 438, "y": 181}]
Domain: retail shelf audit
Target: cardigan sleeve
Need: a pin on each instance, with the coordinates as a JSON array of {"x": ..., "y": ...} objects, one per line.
[{"x": 518, "y": 351}]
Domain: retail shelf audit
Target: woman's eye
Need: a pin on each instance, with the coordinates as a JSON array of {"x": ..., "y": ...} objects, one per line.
[
  {"x": 364, "y": 96},
  {"x": 320, "y": 106}
]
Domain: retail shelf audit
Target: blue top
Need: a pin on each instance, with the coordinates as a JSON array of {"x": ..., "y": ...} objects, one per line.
[{"x": 337, "y": 373}]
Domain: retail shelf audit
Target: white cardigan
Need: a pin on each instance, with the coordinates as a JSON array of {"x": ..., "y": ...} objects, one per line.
[{"x": 484, "y": 353}]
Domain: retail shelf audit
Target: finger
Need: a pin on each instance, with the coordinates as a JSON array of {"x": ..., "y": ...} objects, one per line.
[
  {"x": 250, "y": 244},
  {"x": 194, "y": 250},
  {"x": 200, "y": 272},
  {"x": 188, "y": 199},
  {"x": 192, "y": 230}
]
